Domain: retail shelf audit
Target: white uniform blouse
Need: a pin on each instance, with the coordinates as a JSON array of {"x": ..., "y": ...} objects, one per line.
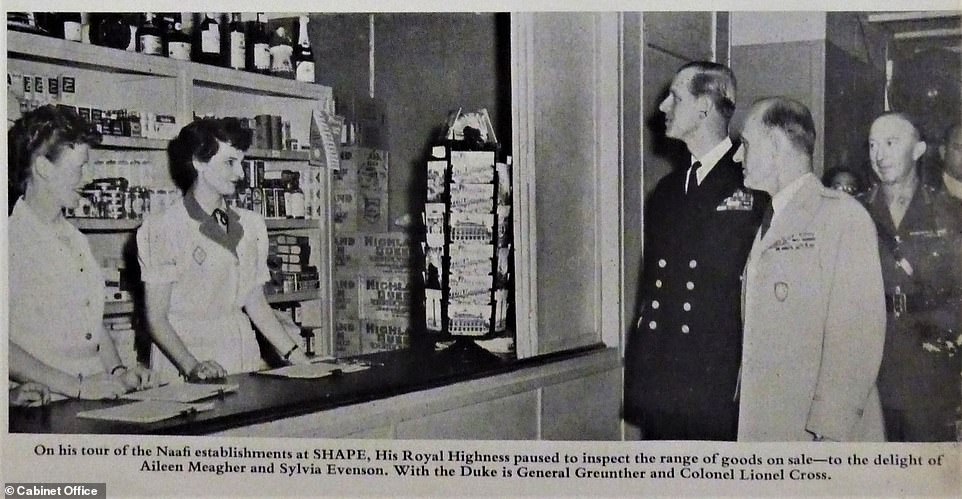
[
  {"x": 56, "y": 293},
  {"x": 209, "y": 286}
]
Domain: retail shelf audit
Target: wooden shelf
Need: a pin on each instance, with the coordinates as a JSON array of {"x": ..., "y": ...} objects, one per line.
[
  {"x": 115, "y": 142},
  {"x": 304, "y": 295},
  {"x": 81, "y": 55},
  {"x": 276, "y": 154},
  {"x": 254, "y": 83},
  {"x": 118, "y": 307},
  {"x": 125, "y": 225},
  {"x": 40, "y": 48},
  {"x": 127, "y": 307},
  {"x": 292, "y": 223},
  {"x": 105, "y": 224}
]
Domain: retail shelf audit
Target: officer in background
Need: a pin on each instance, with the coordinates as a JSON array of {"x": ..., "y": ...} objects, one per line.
[
  {"x": 951, "y": 154},
  {"x": 920, "y": 241},
  {"x": 681, "y": 362}
]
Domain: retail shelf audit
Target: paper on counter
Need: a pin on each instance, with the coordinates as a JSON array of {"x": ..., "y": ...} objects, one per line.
[
  {"x": 182, "y": 392},
  {"x": 314, "y": 370},
  {"x": 145, "y": 411}
]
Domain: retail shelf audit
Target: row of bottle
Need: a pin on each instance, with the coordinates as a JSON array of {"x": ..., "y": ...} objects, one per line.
[{"x": 209, "y": 38}]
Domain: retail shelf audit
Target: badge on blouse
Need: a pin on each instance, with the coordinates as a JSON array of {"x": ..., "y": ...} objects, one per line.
[
  {"x": 199, "y": 255},
  {"x": 781, "y": 290}
]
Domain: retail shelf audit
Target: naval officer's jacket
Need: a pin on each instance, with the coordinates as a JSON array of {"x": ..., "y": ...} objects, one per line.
[{"x": 683, "y": 356}]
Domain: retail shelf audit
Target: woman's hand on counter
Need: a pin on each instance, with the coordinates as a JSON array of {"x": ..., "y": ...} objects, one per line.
[
  {"x": 136, "y": 378},
  {"x": 29, "y": 395},
  {"x": 206, "y": 370},
  {"x": 298, "y": 357},
  {"x": 100, "y": 386}
]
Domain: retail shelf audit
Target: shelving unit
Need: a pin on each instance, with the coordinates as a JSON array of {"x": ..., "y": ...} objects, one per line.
[
  {"x": 129, "y": 225},
  {"x": 116, "y": 79}
]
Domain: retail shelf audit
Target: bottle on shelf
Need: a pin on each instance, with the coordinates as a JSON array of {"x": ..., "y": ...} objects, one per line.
[
  {"x": 178, "y": 43},
  {"x": 110, "y": 30},
  {"x": 133, "y": 22},
  {"x": 294, "y": 201},
  {"x": 258, "y": 46},
  {"x": 150, "y": 38},
  {"x": 237, "y": 43},
  {"x": 72, "y": 25},
  {"x": 206, "y": 43},
  {"x": 282, "y": 50},
  {"x": 303, "y": 55}
]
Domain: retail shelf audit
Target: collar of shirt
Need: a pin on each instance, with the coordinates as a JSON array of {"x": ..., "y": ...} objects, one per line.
[
  {"x": 709, "y": 160},
  {"x": 952, "y": 185},
  {"x": 61, "y": 229},
  {"x": 782, "y": 197},
  {"x": 211, "y": 228}
]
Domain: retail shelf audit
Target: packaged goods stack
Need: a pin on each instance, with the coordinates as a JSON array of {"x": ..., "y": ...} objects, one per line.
[
  {"x": 467, "y": 245},
  {"x": 372, "y": 278}
]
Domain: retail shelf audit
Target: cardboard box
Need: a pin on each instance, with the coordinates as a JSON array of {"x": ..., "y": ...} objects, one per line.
[
  {"x": 346, "y": 297},
  {"x": 346, "y": 249},
  {"x": 344, "y": 210},
  {"x": 347, "y": 338},
  {"x": 372, "y": 190},
  {"x": 386, "y": 253},
  {"x": 379, "y": 336},
  {"x": 373, "y": 253},
  {"x": 384, "y": 297}
]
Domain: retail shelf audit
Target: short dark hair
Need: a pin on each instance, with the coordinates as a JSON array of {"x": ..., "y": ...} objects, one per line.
[
  {"x": 715, "y": 80},
  {"x": 832, "y": 172},
  {"x": 793, "y": 118},
  {"x": 200, "y": 140},
  {"x": 45, "y": 131}
]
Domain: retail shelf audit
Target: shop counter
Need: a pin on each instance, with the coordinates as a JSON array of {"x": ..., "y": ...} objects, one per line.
[{"x": 405, "y": 394}]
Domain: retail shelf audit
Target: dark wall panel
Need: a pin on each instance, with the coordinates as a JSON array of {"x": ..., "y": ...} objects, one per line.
[{"x": 427, "y": 65}]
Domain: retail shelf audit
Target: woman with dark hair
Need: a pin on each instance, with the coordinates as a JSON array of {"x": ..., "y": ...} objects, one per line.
[
  {"x": 843, "y": 179},
  {"x": 56, "y": 286},
  {"x": 204, "y": 264}
]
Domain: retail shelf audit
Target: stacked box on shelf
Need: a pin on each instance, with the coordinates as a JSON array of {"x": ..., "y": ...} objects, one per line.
[
  {"x": 372, "y": 277},
  {"x": 288, "y": 258},
  {"x": 467, "y": 246}
]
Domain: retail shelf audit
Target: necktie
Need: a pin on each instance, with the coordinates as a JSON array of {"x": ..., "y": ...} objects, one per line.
[
  {"x": 693, "y": 178},
  {"x": 767, "y": 219},
  {"x": 221, "y": 217}
]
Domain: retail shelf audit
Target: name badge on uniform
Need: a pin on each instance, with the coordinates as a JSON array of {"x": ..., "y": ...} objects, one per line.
[
  {"x": 199, "y": 255},
  {"x": 929, "y": 233},
  {"x": 740, "y": 200},
  {"x": 781, "y": 290}
]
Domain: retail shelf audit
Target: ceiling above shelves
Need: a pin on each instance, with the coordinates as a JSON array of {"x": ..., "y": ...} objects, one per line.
[{"x": 922, "y": 29}]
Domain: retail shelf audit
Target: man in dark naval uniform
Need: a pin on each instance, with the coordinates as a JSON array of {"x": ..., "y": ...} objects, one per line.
[
  {"x": 681, "y": 362},
  {"x": 920, "y": 248}
]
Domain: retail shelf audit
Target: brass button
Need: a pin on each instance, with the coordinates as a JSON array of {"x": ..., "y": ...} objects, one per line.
[
  {"x": 692, "y": 264},
  {"x": 690, "y": 285},
  {"x": 687, "y": 307},
  {"x": 685, "y": 329},
  {"x": 652, "y": 325},
  {"x": 655, "y": 304},
  {"x": 657, "y": 283},
  {"x": 662, "y": 263}
]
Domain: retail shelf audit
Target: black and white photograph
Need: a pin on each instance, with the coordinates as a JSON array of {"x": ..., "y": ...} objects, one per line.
[{"x": 504, "y": 249}]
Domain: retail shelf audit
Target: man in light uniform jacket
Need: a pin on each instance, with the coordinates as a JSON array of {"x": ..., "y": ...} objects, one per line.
[{"x": 813, "y": 303}]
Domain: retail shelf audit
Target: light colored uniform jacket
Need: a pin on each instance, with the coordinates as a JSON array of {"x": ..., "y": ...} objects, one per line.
[{"x": 814, "y": 323}]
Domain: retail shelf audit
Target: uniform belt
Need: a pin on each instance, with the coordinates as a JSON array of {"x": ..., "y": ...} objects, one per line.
[{"x": 905, "y": 303}]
